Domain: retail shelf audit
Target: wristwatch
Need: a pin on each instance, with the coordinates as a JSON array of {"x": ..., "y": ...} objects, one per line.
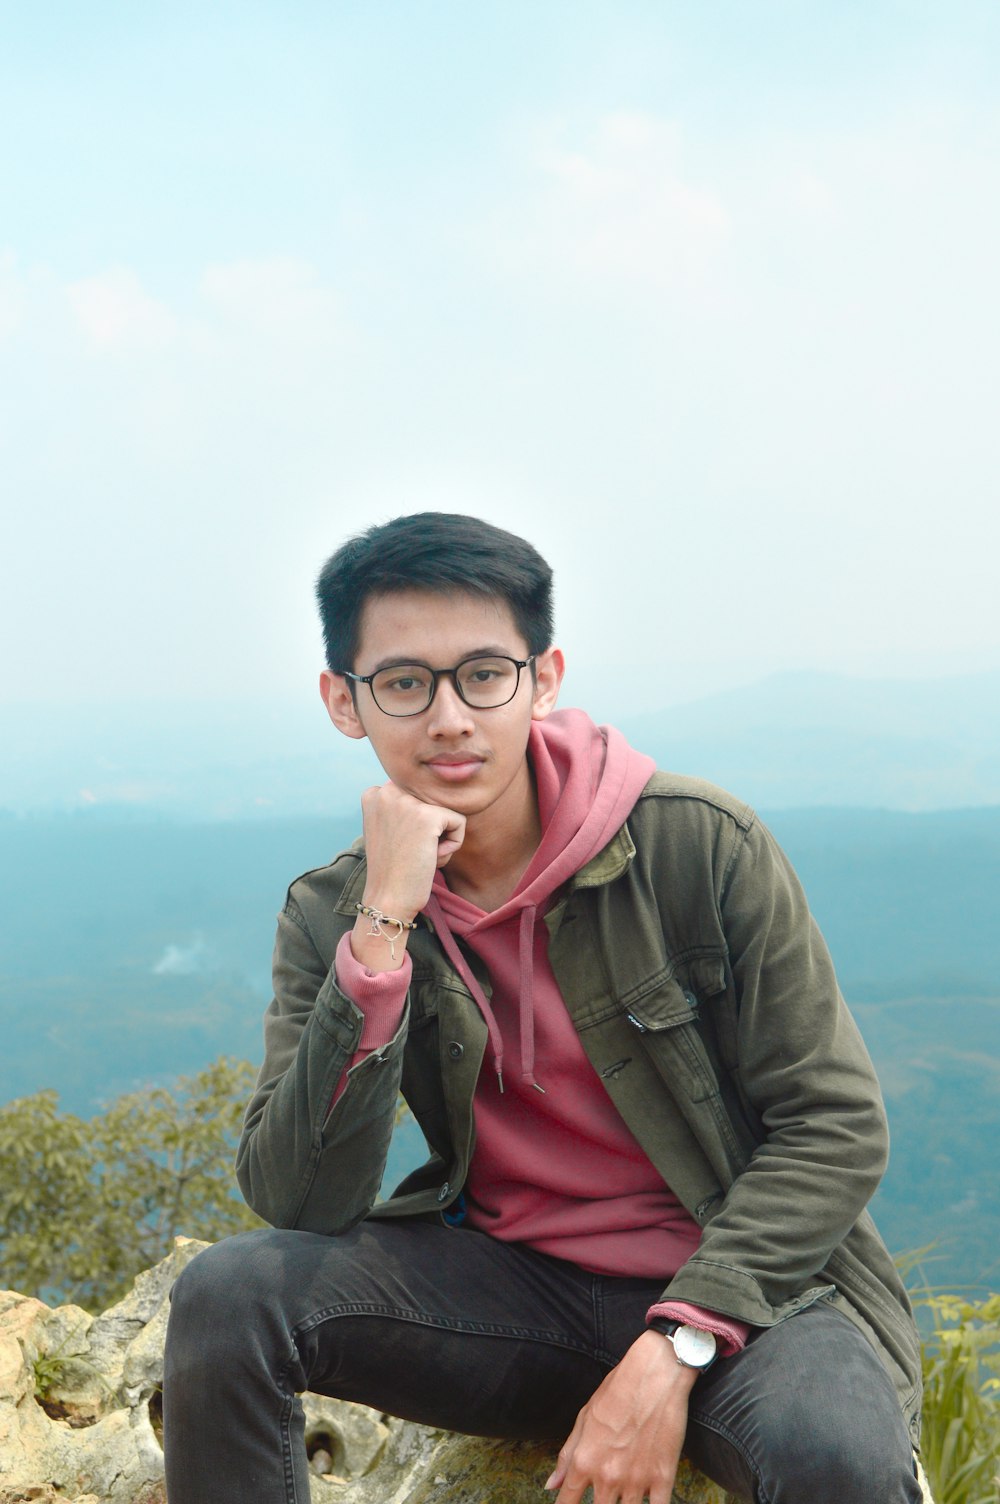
[{"x": 694, "y": 1348}]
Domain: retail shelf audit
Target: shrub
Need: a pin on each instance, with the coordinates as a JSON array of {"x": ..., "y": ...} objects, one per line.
[
  {"x": 85, "y": 1206},
  {"x": 960, "y": 1448}
]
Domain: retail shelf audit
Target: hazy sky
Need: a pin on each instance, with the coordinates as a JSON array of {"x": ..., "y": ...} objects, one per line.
[{"x": 701, "y": 297}]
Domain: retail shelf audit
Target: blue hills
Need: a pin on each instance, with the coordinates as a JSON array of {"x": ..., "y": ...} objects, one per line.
[
  {"x": 138, "y": 923},
  {"x": 794, "y": 740}
]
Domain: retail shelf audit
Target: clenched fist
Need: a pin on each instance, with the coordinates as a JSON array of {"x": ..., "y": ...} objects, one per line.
[{"x": 406, "y": 841}]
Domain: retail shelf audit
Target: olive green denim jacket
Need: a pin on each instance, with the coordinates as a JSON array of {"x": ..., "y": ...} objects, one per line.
[{"x": 705, "y": 998}]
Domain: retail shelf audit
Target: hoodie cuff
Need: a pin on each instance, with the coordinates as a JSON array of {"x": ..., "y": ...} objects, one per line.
[
  {"x": 381, "y": 996},
  {"x": 730, "y": 1334}
]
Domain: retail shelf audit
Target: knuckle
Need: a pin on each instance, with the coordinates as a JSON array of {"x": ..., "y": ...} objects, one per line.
[{"x": 582, "y": 1468}]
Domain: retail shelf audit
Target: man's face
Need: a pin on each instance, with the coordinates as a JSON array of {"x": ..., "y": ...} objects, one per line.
[{"x": 450, "y": 754}]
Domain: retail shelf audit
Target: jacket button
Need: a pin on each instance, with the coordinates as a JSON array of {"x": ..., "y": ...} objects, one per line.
[
  {"x": 444, "y": 1192},
  {"x": 690, "y": 999},
  {"x": 456, "y": 1050}
]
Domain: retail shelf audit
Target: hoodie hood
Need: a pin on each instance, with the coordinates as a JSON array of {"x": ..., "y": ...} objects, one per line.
[{"x": 587, "y": 779}]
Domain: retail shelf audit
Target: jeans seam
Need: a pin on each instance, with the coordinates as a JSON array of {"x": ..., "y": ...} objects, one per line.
[
  {"x": 734, "y": 1441},
  {"x": 288, "y": 1461},
  {"x": 600, "y": 1352},
  {"x": 421, "y": 1318}
]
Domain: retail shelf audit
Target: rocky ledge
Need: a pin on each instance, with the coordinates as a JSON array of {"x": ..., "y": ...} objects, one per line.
[{"x": 80, "y": 1420}]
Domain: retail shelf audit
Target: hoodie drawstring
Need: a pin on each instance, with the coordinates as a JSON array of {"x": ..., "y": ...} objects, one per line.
[
  {"x": 435, "y": 912},
  {"x": 526, "y": 941},
  {"x": 587, "y": 779},
  {"x": 526, "y": 1003}
]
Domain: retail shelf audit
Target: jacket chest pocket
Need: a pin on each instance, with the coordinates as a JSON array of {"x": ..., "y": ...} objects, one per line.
[
  {"x": 666, "y": 1018},
  {"x": 687, "y": 1023}
]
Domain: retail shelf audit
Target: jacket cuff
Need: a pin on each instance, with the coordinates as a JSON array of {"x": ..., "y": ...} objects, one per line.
[{"x": 730, "y": 1334}]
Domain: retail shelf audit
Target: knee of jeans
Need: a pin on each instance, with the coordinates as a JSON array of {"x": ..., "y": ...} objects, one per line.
[
  {"x": 843, "y": 1463},
  {"x": 882, "y": 1472},
  {"x": 213, "y": 1299}
]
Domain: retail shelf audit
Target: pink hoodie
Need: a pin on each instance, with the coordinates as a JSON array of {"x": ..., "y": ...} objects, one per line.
[{"x": 555, "y": 1166}]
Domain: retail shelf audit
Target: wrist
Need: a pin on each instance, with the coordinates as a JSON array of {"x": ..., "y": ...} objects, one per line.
[
  {"x": 383, "y": 902},
  {"x": 378, "y": 946},
  {"x": 695, "y": 1348},
  {"x": 661, "y": 1354}
]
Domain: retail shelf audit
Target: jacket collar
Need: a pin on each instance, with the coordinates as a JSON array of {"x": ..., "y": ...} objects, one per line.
[{"x": 609, "y": 863}]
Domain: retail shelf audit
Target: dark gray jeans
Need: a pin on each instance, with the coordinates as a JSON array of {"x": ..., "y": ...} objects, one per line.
[{"x": 454, "y": 1329}]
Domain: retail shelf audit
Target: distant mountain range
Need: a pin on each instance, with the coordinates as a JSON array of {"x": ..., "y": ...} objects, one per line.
[
  {"x": 144, "y": 851},
  {"x": 807, "y": 740},
  {"x": 134, "y": 950},
  {"x": 791, "y": 741}
]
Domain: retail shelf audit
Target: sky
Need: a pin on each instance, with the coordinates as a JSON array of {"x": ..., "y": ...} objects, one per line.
[{"x": 699, "y": 297}]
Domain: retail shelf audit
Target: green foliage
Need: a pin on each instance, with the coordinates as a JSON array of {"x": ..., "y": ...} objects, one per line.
[
  {"x": 85, "y": 1206},
  {"x": 58, "y": 1367},
  {"x": 960, "y": 1446}
]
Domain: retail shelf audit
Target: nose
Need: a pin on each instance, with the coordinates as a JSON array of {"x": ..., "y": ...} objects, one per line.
[{"x": 448, "y": 714}]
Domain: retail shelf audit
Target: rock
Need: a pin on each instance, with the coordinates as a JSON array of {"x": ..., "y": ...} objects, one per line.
[
  {"x": 353, "y": 1437},
  {"x": 433, "y": 1467},
  {"x": 80, "y": 1420},
  {"x": 79, "y": 1395}
]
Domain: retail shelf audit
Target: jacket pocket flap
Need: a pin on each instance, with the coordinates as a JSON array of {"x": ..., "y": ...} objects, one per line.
[
  {"x": 708, "y": 976},
  {"x": 663, "y": 1007}
]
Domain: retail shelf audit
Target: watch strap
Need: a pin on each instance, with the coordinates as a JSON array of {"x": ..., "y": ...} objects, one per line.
[{"x": 663, "y": 1324}]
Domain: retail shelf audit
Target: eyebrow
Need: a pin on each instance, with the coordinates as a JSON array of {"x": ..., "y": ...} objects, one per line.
[{"x": 491, "y": 650}]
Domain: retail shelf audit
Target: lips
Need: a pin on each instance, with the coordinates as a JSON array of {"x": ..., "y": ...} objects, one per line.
[{"x": 454, "y": 766}]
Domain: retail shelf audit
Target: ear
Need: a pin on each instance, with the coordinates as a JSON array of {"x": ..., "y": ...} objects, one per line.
[
  {"x": 335, "y": 692},
  {"x": 549, "y": 669}
]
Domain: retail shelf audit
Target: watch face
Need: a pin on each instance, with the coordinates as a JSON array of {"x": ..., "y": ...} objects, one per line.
[{"x": 694, "y": 1347}]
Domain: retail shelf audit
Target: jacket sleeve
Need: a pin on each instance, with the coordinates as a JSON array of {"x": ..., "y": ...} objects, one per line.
[
  {"x": 805, "y": 1072},
  {"x": 300, "y": 1162}
]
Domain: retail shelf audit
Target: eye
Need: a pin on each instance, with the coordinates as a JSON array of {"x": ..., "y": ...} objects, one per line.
[{"x": 408, "y": 678}]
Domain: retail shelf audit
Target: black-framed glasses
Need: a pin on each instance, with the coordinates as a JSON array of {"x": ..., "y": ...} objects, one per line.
[{"x": 484, "y": 682}]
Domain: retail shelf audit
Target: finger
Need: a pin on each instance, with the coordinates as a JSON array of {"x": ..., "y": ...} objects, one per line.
[
  {"x": 641, "y": 1492},
  {"x": 453, "y": 825},
  {"x": 571, "y": 1487},
  {"x": 564, "y": 1459},
  {"x": 450, "y": 839}
]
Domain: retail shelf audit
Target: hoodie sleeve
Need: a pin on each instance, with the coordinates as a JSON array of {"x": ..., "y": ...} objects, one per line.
[
  {"x": 731, "y": 1334},
  {"x": 381, "y": 996}
]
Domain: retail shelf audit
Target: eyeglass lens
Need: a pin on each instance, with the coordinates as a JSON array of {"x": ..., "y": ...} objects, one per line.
[{"x": 407, "y": 688}]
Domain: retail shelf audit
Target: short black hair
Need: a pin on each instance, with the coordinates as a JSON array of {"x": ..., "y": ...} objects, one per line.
[{"x": 441, "y": 552}]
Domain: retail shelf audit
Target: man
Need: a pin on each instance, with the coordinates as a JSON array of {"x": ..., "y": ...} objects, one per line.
[{"x": 653, "y": 1126}]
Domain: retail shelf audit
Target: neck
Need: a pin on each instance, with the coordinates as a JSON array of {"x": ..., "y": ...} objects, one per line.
[{"x": 498, "y": 847}]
